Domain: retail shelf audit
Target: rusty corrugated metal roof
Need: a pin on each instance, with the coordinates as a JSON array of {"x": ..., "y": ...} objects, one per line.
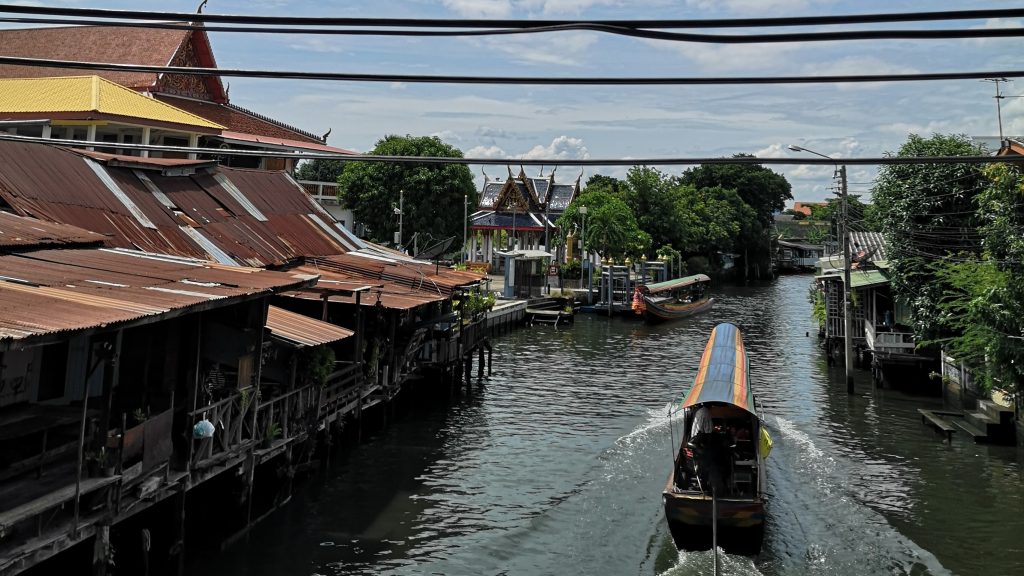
[
  {"x": 21, "y": 232},
  {"x": 404, "y": 272},
  {"x": 48, "y": 291},
  {"x": 390, "y": 294},
  {"x": 265, "y": 219},
  {"x": 303, "y": 330}
]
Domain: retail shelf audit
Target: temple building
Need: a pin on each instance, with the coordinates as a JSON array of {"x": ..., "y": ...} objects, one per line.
[
  {"x": 179, "y": 110},
  {"x": 517, "y": 214}
]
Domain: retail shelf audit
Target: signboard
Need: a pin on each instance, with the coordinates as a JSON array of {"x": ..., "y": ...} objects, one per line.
[{"x": 553, "y": 270}]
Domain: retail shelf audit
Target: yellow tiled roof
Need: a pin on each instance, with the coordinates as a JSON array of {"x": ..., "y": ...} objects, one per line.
[{"x": 89, "y": 94}]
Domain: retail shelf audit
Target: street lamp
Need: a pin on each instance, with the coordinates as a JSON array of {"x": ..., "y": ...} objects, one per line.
[
  {"x": 847, "y": 289},
  {"x": 398, "y": 211},
  {"x": 583, "y": 247}
]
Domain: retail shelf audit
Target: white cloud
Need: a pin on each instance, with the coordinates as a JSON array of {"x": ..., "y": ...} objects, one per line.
[
  {"x": 398, "y": 85},
  {"x": 564, "y": 49},
  {"x": 318, "y": 44},
  {"x": 751, "y": 6},
  {"x": 562, "y": 147},
  {"x": 730, "y": 57},
  {"x": 480, "y": 8},
  {"x": 486, "y": 152},
  {"x": 994, "y": 24},
  {"x": 772, "y": 151},
  {"x": 448, "y": 136}
]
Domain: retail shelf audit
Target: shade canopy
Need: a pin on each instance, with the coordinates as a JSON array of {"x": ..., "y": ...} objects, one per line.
[{"x": 722, "y": 375}]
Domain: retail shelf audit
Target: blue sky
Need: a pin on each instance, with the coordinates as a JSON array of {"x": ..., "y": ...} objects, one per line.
[{"x": 612, "y": 122}]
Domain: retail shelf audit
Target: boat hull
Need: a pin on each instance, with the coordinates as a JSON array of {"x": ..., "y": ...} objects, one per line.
[
  {"x": 740, "y": 522},
  {"x": 655, "y": 312}
]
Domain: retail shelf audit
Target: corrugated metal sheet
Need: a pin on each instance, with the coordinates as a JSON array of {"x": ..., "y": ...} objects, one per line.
[
  {"x": 390, "y": 294},
  {"x": 53, "y": 183},
  {"x": 409, "y": 273},
  {"x": 49, "y": 291},
  {"x": 303, "y": 330},
  {"x": 22, "y": 232}
]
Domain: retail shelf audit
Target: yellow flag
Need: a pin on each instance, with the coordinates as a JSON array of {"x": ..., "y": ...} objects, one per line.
[{"x": 765, "y": 445}]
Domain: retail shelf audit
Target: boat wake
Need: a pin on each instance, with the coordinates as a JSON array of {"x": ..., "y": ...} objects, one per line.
[{"x": 817, "y": 522}]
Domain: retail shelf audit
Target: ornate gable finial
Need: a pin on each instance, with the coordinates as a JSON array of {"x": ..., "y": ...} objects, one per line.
[
  {"x": 578, "y": 178},
  {"x": 522, "y": 173},
  {"x": 201, "y": 4},
  {"x": 486, "y": 177},
  {"x": 326, "y": 134},
  {"x": 510, "y": 176}
]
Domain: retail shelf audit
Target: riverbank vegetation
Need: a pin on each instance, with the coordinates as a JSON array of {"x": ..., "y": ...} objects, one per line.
[
  {"x": 955, "y": 247},
  {"x": 703, "y": 213}
]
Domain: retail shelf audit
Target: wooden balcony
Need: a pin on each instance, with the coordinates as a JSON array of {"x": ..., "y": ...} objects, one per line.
[
  {"x": 888, "y": 340},
  {"x": 326, "y": 193}
]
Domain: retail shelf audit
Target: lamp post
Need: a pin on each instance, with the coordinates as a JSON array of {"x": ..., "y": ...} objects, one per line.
[
  {"x": 465, "y": 227},
  {"x": 847, "y": 289},
  {"x": 583, "y": 246},
  {"x": 398, "y": 211}
]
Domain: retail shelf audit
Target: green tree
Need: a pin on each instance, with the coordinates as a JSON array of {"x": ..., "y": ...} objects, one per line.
[
  {"x": 983, "y": 306},
  {"x": 605, "y": 183},
  {"x": 652, "y": 197},
  {"x": 320, "y": 170},
  {"x": 713, "y": 219},
  {"x": 433, "y": 192},
  {"x": 763, "y": 190},
  {"x": 611, "y": 229},
  {"x": 927, "y": 214}
]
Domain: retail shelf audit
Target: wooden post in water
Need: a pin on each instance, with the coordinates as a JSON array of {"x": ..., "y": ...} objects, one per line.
[{"x": 479, "y": 362}]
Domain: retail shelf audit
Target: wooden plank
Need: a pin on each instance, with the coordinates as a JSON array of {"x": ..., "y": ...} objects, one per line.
[{"x": 53, "y": 499}]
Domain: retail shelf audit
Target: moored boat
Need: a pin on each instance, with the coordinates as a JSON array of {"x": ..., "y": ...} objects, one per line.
[
  {"x": 673, "y": 299},
  {"x": 720, "y": 464}
]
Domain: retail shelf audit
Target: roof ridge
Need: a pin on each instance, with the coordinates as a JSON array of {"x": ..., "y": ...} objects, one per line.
[{"x": 270, "y": 120}]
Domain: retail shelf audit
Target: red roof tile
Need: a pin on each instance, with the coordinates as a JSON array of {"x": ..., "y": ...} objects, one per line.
[
  {"x": 112, "y": 44},
  {"x": 238, "y": 119}
]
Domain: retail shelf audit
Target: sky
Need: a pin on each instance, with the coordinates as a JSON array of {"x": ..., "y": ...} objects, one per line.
[{"x": 625, "y": 121}]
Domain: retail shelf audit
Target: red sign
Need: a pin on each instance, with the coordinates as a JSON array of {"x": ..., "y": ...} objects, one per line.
[{"x": 553, "y": 270}]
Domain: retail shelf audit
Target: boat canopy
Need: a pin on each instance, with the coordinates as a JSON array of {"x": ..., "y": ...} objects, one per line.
[
  {"x": 673, "y": 284},
  {"x": 722, "y": 375}
]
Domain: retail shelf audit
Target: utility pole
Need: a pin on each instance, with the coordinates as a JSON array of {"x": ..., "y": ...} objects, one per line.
[
  {"x": 999, "y": 104},
  {"x": 847, "y": 288},
  {"x": 583, "y": 248},
  {"x": 465, "y": 226}
]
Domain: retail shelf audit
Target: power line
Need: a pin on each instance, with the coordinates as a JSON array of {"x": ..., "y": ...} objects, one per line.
[
  {"x": 873, "y": 18},
  {"x": 673, "y": 161},
  {"x": 528, "y": 80},
  {"x": 649, "y": 34}
]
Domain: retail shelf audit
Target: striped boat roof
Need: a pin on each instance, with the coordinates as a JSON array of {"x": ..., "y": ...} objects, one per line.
[{"x": 722, "y": 375}]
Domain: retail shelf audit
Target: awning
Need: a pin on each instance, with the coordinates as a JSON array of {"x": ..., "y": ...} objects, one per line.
[
  {"x": 858, "y": 278},
  {"x": 722, "y": 375},
  {"x": 302, "y": 330}
]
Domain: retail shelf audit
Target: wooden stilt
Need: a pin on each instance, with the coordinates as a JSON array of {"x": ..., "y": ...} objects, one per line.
[
  {"x": 101, "y": 550},
  {"x": 479, "y": 363}
]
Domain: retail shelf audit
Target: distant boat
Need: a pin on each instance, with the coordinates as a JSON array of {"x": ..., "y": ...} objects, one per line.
[
  {"x": 720, "y": 464},
  {"x": 673, "y": 299}
]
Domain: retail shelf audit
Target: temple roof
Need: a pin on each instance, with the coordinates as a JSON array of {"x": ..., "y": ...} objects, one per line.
[
  {"x": 89, "y": 95},
  {"x": 238, "y": 119},
  {"x": 527, "y": 194},
  {"x": 112, "y": 44}
]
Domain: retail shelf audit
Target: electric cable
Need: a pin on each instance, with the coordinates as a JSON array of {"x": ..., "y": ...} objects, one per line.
[
  {"x": 870, "y": 18},
  {"x": 648, "y": 34},
  {"x": 519, "y": 80}
]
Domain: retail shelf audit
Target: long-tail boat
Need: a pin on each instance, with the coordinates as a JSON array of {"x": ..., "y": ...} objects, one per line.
[
  {"x": 716, "y": 489},
  {"x": 673, "y": 299}
]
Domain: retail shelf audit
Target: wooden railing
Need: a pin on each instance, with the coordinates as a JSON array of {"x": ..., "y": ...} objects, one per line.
[
  {"x": 323, "y": 192},
  {"x": 232, "y": 427},
  {"x": 889, "y": 340}
]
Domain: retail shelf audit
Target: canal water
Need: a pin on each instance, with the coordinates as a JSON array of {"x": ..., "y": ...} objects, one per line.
[{"x": 556, "y": 466}]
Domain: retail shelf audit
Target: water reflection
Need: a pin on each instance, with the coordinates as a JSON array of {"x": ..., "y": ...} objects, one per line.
[{"x": 557, "y": 466}]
